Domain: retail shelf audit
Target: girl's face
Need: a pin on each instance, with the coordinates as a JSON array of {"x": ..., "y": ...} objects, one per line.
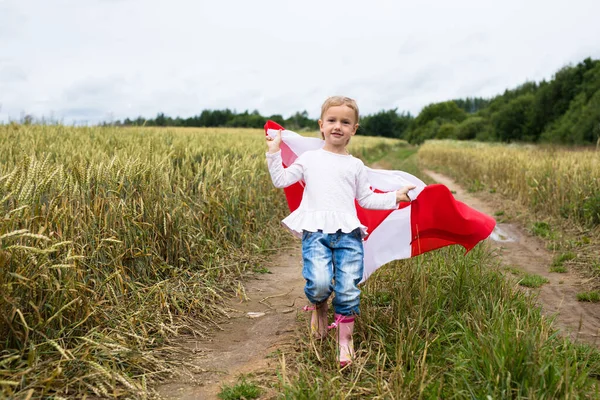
[{"x": 338, "y": 126}]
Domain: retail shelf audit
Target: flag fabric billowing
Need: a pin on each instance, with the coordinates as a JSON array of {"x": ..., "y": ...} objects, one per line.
[{"x": 432, "y": 220}]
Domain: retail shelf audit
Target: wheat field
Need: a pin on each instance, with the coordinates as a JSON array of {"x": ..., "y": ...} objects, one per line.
[{"x": 561, "y": 182}]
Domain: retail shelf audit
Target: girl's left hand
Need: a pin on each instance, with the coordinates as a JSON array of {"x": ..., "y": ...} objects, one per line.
[{"x": 402, "y": 193}]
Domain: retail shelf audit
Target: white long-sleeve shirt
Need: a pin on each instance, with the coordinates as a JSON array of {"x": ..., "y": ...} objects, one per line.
[{"x": 332, "y": 183}]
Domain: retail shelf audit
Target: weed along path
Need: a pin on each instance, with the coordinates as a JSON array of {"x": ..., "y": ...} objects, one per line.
[
  {"x": 557, "y": 297},
  {"x": 247, "y": 341}
]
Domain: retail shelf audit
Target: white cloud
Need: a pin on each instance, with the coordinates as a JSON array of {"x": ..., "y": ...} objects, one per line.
[{"x": 122, "y": 58}]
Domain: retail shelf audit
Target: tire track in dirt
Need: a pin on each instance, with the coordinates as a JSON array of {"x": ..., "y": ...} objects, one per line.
[
  {"x": 558, "y": 298},
  {"x": 243, "y": 344}
]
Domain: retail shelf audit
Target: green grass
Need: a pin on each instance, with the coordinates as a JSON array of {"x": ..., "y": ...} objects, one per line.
[
  {"x": 541, "y": 229},
  {"x": 561, "y": 269},
  {"x": 446, "y": 325},
  {"x": 475, "y": 186},
  {"x": 240, "y": 391},
  {"x": 375, "y": 154},
  {"x": 583, "y": 241},
  {"x": 592, "y": 296},
  {"x": 513, "y": 270},
  {"x": 261, "y": 270},
  {"x": 532, "y": 281},
  {"x": 560, "y": 259}
]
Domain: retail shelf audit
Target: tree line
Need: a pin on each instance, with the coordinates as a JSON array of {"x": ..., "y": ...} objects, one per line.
[{"x": 564, "y": 110}]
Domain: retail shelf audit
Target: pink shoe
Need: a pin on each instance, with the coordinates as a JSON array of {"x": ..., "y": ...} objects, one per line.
[
  {"x": 318, "y": 319},
  {"x": 345, "y": 328}
]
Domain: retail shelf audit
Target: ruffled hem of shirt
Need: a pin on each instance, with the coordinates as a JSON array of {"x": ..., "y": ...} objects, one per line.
[{"x": 326, "y": 221}]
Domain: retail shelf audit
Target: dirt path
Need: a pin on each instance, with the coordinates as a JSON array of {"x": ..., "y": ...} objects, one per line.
[
  {"x": 256, "y": 328},
  {"x": 579, "y": 320}
]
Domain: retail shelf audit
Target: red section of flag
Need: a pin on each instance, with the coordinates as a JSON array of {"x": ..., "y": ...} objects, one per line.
[
  {"x": 437, "y": 219},
  {"x": 272, "y": 125}
]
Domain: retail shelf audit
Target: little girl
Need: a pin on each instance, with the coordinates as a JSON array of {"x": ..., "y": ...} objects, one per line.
[{"x": 332, "y": 248}]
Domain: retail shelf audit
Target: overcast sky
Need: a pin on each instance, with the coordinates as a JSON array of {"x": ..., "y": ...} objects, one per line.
[{"x": 96, "y": 60}]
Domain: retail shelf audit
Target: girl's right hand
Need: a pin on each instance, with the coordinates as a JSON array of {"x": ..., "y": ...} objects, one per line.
[
  {"x": 402, "y": 193},
  {"x": 273, "y": 143}
]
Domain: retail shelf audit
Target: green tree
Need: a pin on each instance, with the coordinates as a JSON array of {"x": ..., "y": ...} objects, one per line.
[
  {"x": 472, "y": 104},
  {"x": 422, "y": 133},
  {"x": 511, "y": 122},
  {"x": 446, "y": 111},
  {"x": 447, "y": 131},
  {"x": 300, "y": 120},
  {"x": 554, "y": 98},
  {"x": 427, "y": 123},
  {"x": 579, "y": 125},
  {"x": 472, "y": 128},
  {"x": 160, "y": 120},
  {"x": 385, "y": 123}
]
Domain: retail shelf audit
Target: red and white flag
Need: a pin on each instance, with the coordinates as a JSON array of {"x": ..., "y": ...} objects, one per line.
[{"x": 432, "y": 220}]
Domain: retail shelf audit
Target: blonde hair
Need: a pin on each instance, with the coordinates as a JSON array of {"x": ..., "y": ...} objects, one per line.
[{"x": 335, "y": 101}]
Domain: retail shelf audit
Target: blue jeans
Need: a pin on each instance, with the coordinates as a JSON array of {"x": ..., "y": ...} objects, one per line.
[{"x": 333, "y": 262}]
